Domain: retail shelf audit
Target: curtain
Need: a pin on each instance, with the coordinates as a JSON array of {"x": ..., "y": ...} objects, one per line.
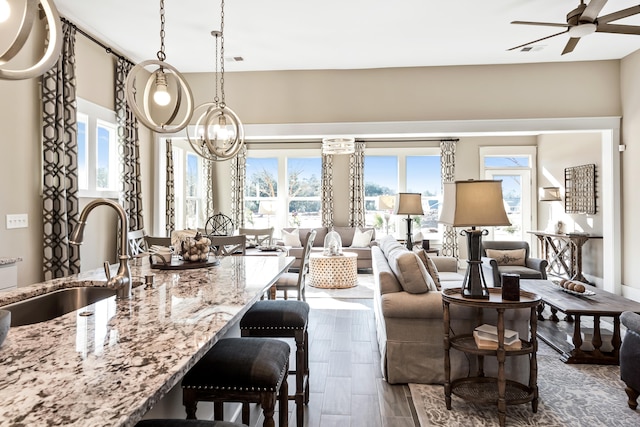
[
  {"x": 356, "y": 186},
  {"x": 238, "y": 179},
  {"x": 327, "y": 190},
  {"x": 447, "y": 172},
  {"x": 60, "y": 209},
  {"x": 128, "y": 150},
  {"x": 170, "y": 205}
]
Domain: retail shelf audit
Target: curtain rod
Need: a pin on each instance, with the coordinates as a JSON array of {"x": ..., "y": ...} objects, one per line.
[
  {"x": 306, "y": 140},
  {"x": 96, "y": 41}
]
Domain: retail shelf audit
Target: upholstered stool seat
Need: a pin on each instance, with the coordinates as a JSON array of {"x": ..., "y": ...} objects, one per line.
[
  {"x": 284, "y": 319},
  {"x": 186, "y": 423},
  {"x": 247, "y": 370}
]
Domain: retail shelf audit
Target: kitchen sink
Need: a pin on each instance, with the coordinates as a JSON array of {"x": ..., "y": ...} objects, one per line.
[{"x": 55, "y": 304}]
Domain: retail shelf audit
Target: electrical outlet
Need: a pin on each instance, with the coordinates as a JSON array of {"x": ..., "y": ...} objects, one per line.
[{"x": 17, "y": 221}]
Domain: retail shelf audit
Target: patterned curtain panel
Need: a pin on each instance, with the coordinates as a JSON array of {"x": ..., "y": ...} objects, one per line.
[
  {"x": 327, "y": 190},
  {"x": 60, "y": 162},
  {"x": 128, "y": 150},
  {"x": 207, "y": 174},
  {"x": 238, "y": 179},
  {"x": 170, "y": 205},
  {"x": 356, "y": 186},
  {"x": 448, "y": 172}
]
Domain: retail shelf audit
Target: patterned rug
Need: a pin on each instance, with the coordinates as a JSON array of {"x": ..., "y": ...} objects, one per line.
[{"x": 570, "y": 395}]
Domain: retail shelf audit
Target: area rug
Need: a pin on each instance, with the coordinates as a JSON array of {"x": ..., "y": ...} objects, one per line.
[
  {"x": 570, "y": 395},
  {"x": 363, "y": 290}
]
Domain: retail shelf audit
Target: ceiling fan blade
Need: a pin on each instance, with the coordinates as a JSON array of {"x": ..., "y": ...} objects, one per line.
[
  {"x": 618, "y": 29},
  {"x": 539, "y": 40},
  {"x": 545, "y": 24},
  {"x": 619, "y": 15},
  {"x": 571, "y": 44},
  {"x": 592, "y": 10}
]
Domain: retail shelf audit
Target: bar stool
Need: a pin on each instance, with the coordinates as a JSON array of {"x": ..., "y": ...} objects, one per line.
[
  {"x": 284, "y": 319},
  {"x": 186, "y": 423},
  {"x": 247, "y": 370}
]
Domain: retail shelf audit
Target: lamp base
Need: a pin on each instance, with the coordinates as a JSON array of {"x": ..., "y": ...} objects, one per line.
[
  {"x": 474, "y": 285},
  {"x": 409, "y": 241}
]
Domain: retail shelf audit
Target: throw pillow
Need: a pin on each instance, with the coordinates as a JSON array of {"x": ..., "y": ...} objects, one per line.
[
  {"x": 361, "y": 239},
  {"x": 291, "y": 238},
  {"x": 411, "y": 273},
  {"x": 430, "y": 266},
  {"x": 507, "y": 257}
]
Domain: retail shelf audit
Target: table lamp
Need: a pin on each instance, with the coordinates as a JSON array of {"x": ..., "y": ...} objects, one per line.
[
  {"x": 268, "y": 208},
  {"x": 386, "y": 203},
  {"x": 408, "y": 204},
  {"x": 549, "y": 194},
  {"x": 473, "y": 204}
]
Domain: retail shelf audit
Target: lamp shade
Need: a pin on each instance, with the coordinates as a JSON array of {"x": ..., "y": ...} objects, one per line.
[
  {"x": 408, "y": 204},
  {"x": 473, "y": 203},
  {"x": 267, "y": 207},
  {"x": 386, "y": 202},
  {"x": 549, "y": 194}
]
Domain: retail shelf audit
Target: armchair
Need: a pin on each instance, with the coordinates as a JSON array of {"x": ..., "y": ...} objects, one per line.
[
  {"x": 630, "y": 357},
  {"x": 495, "y": 261}
]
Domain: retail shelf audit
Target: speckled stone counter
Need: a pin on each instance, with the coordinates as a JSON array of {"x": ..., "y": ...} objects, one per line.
[
  {"x": 8, "y": 261},
  {"x": 111, "y": 367}
]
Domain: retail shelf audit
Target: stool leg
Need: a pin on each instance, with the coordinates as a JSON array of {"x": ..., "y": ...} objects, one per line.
[
  {"x": 190, "y": 402},
  {"x": 245, "y": 413},
  {"x": 283, "y": 409},
  {"x": 300, "y": 368},
  {"x": 306, "y": 367},
  {"x": 218, "y": 411},
  {"x": 268, "y": 403}
]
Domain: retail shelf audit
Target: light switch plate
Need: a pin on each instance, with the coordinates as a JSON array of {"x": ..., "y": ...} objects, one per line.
[{"x": 17, "y": 221}]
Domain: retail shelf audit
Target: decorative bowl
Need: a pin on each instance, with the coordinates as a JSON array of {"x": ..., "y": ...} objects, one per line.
[{"x": 5, "y": 323}]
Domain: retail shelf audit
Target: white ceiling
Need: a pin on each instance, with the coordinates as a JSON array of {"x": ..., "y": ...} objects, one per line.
[{"x": 343, "y": 34}]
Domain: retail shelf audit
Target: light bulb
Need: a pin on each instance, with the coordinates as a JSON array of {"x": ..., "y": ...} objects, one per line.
[
  {"x": 5, "y": 10},
  {"x": 161, "y": 96}
]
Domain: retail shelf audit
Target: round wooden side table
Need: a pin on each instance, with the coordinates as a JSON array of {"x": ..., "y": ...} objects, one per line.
[
  {"x": 339, "y": 271},
  {"x": 481, "y": 389}
]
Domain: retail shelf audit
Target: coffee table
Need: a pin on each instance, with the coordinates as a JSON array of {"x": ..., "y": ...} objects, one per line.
[{"x": 602, "y": 304}]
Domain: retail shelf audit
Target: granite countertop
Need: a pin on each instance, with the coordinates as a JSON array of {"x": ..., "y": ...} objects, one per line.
[
  {"x": 8, "y": 261},
  {"x": 110, "y": 368}
]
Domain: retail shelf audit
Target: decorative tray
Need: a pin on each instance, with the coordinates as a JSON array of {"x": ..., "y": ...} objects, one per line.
[
  {"x": 268, "y": 248},
  {"x": 178, "y": 264},
  {"x": 586, "y": 293}
]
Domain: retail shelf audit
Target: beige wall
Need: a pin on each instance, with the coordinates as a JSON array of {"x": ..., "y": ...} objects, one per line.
[{"x": 630, "y": 89}]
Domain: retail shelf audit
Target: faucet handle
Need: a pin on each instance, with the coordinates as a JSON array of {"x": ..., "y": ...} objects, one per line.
[{"x": 107, "y": 271}]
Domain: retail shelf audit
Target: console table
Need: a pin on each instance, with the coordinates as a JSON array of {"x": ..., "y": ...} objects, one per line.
[{"x": 563, "y": 252}]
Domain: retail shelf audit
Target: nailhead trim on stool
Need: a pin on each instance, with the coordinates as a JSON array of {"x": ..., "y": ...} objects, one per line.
[
  {"x": 186, "y": 423},
  {"x": 284, "y": 319},
  {"x": 241, "y": 370}
]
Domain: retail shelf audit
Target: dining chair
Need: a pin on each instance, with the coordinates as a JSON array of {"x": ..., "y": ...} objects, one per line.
[
  {"x": 258, "y": 236},
  {"x": 157, "y": 241},
  {"x": 228, "y": 245},
  {"x": 137, "y": 242},
  {"x": 296, "y": 281}
]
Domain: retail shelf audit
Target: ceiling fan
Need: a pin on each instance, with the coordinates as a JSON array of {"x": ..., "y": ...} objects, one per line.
[{"x": 584, "y": 20}]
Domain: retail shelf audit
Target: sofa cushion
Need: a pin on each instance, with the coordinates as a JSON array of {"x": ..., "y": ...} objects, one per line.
[
  {"x": 361, "y": 239},
  {"x": 410, "y": 271},
  {"x": 291, "y": 238},
  {"x": 430, "y": 266},
  {"x": 387, "y": 244},
  {"x": 507, "y": 257}
]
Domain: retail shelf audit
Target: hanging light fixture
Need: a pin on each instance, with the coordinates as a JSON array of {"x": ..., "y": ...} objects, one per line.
[
  {"x": 166, "y": 92},
  {"x": 25, "y": 17},
  {"x": 219, "y": 133},
  {"x": 341, "y": 145}
]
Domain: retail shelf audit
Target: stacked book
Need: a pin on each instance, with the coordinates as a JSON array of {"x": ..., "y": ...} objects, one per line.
[{"x": 486, "y": 337}]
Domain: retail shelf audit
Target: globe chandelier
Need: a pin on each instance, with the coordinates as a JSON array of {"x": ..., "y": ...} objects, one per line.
[
  {"x": 167, "y": 102},
  {"x": 218, "y": 133},
  {"x": 23, "y": 18}
]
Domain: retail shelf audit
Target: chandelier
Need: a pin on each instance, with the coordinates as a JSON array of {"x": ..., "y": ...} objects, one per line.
[
  {"x": 25, "y": 17},
  {"x": 166, "y": 93},
  {"x": 342, "y": 145},
  {"x": 218, "y": 133}
]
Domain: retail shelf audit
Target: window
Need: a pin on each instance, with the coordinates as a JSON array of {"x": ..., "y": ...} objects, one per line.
[
  {"x": 299, "y": 205},
  {"x": 412, "y": 170},
  {"x": 190, "y": 188},
  {"x": 97, "y": 151}
]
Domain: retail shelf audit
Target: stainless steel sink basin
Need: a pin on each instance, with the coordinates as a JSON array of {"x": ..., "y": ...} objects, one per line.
[{"x": 54, "y": 304}]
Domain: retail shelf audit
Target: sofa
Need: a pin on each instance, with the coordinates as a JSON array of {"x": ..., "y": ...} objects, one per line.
[
  {"x": 346, "y": 235},
  {"x": 409, "y": 323}
]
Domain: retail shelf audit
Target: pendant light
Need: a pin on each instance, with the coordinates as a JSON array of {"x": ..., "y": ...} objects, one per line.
[
  {"x": 166, "y": 93},
  {"x": 219, "y": 133},
  {"x": 25, "y": 17}
]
